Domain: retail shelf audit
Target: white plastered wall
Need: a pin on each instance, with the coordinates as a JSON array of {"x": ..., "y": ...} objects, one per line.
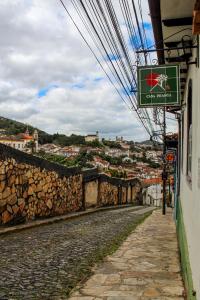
[{"x": 190, "y": 194}]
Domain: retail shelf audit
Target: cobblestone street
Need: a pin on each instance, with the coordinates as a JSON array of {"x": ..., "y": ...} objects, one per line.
[{"x": 45, "y": 262}]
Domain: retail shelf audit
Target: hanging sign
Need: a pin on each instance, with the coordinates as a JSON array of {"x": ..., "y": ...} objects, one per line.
[
  {"x": 159, "y": 85},
  {"x": 170, "y": 157}
]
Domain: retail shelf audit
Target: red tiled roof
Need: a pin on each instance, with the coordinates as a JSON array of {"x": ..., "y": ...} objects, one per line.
[{"x": 152, "y": 181}]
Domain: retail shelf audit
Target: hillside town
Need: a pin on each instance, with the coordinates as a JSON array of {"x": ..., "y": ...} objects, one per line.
[{"x": 118, "y": 158}]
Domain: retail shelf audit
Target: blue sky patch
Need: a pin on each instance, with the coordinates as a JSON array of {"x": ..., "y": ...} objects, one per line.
[
  {"x": 44, "y": 91},
  {"x": 113, "y": 57},
  {"x": 79, "y": 85},
  {"x": 97, "y": 79},
  {"x": 147, "y": 25},
  {"x": 135, "y": 38}
]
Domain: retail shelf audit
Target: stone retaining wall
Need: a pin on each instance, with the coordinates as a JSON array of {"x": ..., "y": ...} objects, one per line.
[
  {"x": 108, "y": 194},
  {"x": 31, "y": 188},
  {"x": 107, "y": 190}
]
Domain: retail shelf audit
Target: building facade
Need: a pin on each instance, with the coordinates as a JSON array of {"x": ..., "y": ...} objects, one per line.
[
  {"x": 175, "y": 25},
  {"x": 92, "y": 137},
  {"x": 21, "y": 141}
]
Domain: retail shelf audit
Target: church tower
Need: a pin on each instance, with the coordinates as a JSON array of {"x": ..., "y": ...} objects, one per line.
[{"x": 35, "y": 138}]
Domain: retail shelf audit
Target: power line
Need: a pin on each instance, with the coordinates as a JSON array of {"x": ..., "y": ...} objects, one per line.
[
  {"x": 103, "y": 27},
  {"x": 93, "y": 53}
]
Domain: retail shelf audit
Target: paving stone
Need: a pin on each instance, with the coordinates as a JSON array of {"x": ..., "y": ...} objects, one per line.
[
  {"x": 151, "y": 293},
  {"x": 82, "y": 298},
  {"x": 123, "y": 298},
  {"x": 112, "y": 279},
  {"x": 121, "y": 294},
  {"x": 96, "y": 280},
  {"x": 146, "y": 266},
  {"x": 135, "y": 281},
  {"x": 95, "y": 290},
  {"x": 173, "y": 290}
]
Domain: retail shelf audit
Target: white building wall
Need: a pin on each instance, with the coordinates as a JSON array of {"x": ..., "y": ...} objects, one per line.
[
  {"x": 152, "y": 195},
  {"x": 190, "y": 194}
]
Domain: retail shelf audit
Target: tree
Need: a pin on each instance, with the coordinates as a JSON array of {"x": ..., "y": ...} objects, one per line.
[
  {"x": 31, "y": 145},
  {"x": 111, "y": 144}
]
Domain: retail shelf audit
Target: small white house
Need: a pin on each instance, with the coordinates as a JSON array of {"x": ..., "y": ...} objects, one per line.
[{"x": 152, "y": 195}]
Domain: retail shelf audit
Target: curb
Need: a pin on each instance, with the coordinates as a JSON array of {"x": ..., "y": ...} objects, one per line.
[{"x": 57, "y": 219}]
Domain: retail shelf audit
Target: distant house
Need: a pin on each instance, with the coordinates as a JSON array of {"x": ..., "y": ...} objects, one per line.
[
  {"x": 99, "y": 162},
  {"x": 93, "y": 150},
  {"x": 2, "y": 132},
  {"x": 50, "y": 148},
  {"x": 153, "y": 195},
  {"x": 127, "y": 159},
  {"x": 21, "y": 140},
  {"x": 119, "y": 139},
  {"x": 70, "y": 151},
  {"x": 115, "y": 152},
  {"x": 92, "y": 137},
  {"x": 137, "y": 154}
]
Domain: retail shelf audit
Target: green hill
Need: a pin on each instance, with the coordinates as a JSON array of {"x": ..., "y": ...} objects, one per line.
[{"x": 13, "y": 127}]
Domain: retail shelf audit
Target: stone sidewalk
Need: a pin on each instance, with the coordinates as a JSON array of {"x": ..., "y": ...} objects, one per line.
[{"x": 146, "y": 266}]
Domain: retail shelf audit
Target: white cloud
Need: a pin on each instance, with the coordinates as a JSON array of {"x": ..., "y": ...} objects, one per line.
[{"x": 40, "y": 48}]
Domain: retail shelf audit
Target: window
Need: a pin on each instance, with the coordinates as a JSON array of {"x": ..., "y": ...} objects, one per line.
[
  {"x": 189, "y": 132},
  {"x": 18, "y": 145}
]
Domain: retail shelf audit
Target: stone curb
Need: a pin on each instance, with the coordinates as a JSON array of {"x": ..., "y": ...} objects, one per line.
[{"x": 69, "y": 216}]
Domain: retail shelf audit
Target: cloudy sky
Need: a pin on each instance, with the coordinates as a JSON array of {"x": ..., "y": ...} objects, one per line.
[{"x": 49, "y": 79}]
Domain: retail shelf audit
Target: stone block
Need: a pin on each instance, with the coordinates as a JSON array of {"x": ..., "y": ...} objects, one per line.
[
  {"x": 2, "y": 170},
  {"x": 2, "y": 202},
  {"x": 30, "y": 190},
  {"x": 31, "y": 180},
  {"x": 12, "y": 199},
  {"x": 29, "y": 174},
  {"x": 25, "y": 194},
  {"x": 6, "y": 217},
  {"x": 9, "y": 209},
  {"x": 11, "y": 180},
  {"x": 38, "y": 188},
  {"x": 15, "y": 209},
  {"x": 49, "y": 204},
  {"x": 13, "y": 189},
  {"x": 2, "y": 186},
  {"x": 21, "y": 201},
  {"x": 2, "y": 177},
  {"x": 6, "y": 193}
]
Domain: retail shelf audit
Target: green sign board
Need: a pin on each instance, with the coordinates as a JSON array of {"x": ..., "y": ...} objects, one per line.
[{"x": 159, "y": 86}]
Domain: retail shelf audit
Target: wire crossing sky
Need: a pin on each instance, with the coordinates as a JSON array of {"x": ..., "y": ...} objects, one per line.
[{"x": 115, "y": 33}]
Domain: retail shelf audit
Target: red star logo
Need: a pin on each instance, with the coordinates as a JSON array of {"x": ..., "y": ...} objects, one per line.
[{"x": 151, "y": 79}]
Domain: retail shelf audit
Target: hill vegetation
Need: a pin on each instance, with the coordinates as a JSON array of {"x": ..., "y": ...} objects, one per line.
[{"x": 13, "y": 127}]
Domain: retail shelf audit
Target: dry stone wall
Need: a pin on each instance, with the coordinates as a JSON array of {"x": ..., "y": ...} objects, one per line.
[
  {"x": 108, "y": 194},
  {"x": 28, "y": 191},
  {"x": 91, "y": 193}
]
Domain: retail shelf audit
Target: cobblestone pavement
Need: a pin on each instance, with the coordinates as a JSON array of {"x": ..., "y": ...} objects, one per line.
[
  {"x": 43, "y": 263},
  {"x": 146, "y": 266}
]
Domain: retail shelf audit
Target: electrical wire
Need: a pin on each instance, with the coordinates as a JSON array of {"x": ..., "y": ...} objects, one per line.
[{"x": 102, "y": 24}]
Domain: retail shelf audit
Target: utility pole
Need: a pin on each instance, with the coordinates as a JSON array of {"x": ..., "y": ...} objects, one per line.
[{"x": 164, "y": 175}]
